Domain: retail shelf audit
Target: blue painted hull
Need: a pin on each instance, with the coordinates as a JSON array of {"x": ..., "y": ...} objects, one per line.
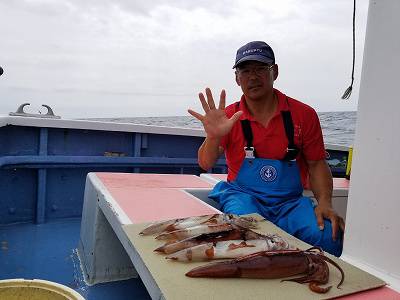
[{"x": 43, "y": 170}]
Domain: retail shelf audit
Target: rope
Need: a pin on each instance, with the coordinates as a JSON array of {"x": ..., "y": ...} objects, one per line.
[{"x": 347, "y": 93}]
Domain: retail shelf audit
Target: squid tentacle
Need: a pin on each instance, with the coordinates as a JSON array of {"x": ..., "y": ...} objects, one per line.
[
  {"x": 325, "y": 258},
  {"x": 317, "y": 288}
]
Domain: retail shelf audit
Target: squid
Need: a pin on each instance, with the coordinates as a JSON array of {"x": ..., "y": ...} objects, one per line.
[
  {"x": 158, "y": 227},
  {"x": 214, "y": 219},
  {"x": 225, "y": 249},
  {"x": 193, "y": 231},
  {"x": 191, "y": 221},
  {"x": 234, "y": 234},
  {"x": 241, "y": 221},
  {"x": 175, "y": 224},
  {"x": 310, "y": 266}
]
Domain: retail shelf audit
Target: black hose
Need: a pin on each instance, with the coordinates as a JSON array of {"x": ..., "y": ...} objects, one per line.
[{"x": 347, "y": 93}]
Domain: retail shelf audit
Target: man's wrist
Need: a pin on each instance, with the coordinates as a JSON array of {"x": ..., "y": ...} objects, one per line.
[
  {"x": 214, "y": 140},
  {"x": 325, "y": 201}
]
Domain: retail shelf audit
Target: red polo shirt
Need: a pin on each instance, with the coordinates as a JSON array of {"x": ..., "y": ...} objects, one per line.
[{"x": 271, "y": 142}]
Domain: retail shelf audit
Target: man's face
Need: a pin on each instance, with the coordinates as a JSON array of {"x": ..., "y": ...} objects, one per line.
[{"x": 256, "y": 79}]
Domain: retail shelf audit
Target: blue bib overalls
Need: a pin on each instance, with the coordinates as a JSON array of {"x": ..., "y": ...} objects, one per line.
[{"x": 273, "y": 189}]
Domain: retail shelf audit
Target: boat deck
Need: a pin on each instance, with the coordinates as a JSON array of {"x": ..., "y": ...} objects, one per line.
[{"x": 48, "y": 251}]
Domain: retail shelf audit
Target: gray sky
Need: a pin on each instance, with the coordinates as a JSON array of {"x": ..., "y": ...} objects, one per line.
[{"x": 126, "y": 58}]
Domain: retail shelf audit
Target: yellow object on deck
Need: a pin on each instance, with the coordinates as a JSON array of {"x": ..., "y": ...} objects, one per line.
[
  {"x": 22, "y": 289},
  {"x": 349, "y": 159}
]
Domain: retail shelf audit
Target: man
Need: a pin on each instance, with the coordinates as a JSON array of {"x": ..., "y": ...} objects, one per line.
[{"x": 274, "y": 151}]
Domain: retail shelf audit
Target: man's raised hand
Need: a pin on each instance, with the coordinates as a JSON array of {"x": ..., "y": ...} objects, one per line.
[{"x": 215, "y": 122}]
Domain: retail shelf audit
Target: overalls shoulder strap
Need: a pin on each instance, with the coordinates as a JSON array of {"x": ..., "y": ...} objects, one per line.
[
  {"x": 292, "y": 150},
  {"x": 248, "y": 136}
]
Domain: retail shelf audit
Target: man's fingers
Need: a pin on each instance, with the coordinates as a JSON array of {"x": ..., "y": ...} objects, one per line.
[
  {"x": 342, "y": 225},
  {"x": 320, "y": 221},
  {"x": 236, "y": 116},
  {"x": 210, "y": 99},
  {"x": 195, "y": 114},
  {"x": 222, "y": 100},
  {"x": 204, "y": 102},
  {"x": 335, "y": 227}
]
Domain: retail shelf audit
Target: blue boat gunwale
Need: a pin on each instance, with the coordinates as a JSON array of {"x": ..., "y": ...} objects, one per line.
[{"x": 51, "y": 157}]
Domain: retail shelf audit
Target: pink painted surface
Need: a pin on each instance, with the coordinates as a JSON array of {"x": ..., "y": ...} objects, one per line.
[
  {"x": 154, "y": 197},
  {"x": 152, "y": 180},
  {"x": 375, "y": 294},
  {"x": 147, "y": 205},
  {"x": 341, "y": 183}
]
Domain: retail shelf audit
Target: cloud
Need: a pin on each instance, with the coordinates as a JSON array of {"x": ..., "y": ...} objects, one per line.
[{"x": 125, "y": 51}]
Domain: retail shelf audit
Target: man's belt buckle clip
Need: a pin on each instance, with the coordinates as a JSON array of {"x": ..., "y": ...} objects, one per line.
[
  {"x": 249, "y": 152},
  {"x": 292, "y": 152}
]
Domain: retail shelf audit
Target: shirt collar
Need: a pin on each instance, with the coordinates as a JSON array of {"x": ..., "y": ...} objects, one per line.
[{"x": 282, "y": 106}]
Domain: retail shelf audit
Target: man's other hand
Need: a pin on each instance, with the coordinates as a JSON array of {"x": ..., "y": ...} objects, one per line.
[{"x": 327, "y": 212}]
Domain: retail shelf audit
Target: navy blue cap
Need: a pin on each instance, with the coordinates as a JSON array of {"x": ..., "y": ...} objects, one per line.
[{"x": 257, "y": 50}]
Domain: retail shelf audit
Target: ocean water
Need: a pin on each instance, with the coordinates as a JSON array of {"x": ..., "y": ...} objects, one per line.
[{"x": 338, "y": 127}]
